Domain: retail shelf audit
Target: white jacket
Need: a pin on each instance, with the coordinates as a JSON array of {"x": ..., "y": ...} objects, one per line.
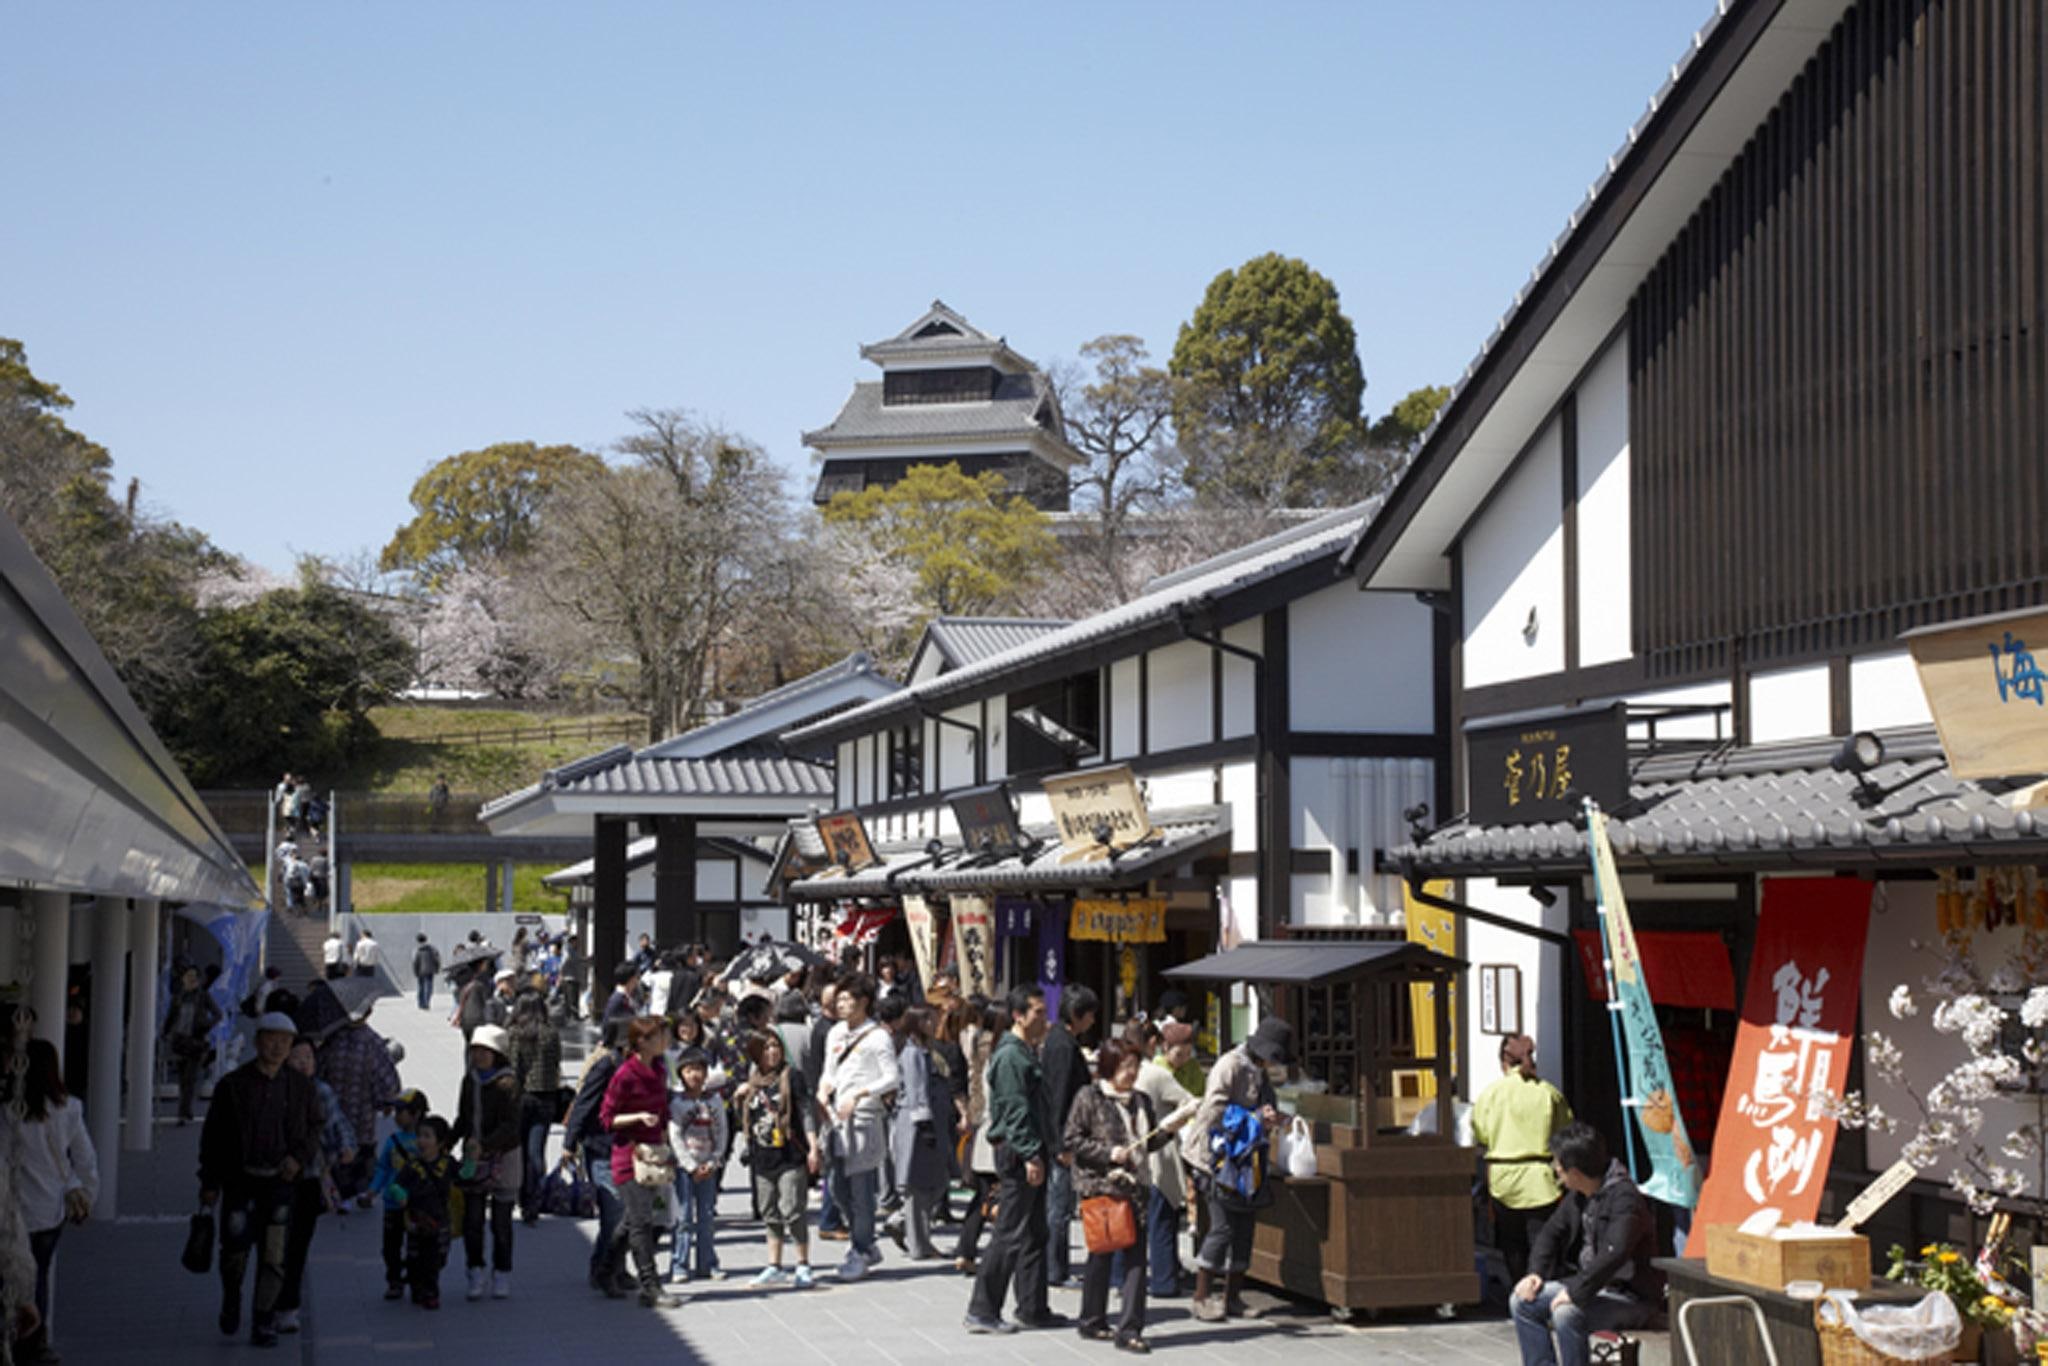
[{"x": 56, "y": 1157}]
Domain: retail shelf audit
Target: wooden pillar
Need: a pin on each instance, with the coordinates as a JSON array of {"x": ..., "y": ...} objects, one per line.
[
  {"x": 608, "y": 905},
  {"x": 676, "y": 917}
]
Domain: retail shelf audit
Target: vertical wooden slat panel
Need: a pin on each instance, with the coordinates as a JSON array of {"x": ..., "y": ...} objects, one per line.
[{"x": 1839, "y": 388}]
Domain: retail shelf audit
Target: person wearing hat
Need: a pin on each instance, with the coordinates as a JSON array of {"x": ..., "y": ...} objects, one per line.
[
  {"x": 402, "y": 1146},
  {"x": 1170, "y": 1046},
  {"x": 504, "y": 995},
  {"x": 1243, "y": 1077},
  {"x": 262, "y": 1132},
  {"x": 487, "y": 1125},
  {"x": 1513, "y": 1119}
]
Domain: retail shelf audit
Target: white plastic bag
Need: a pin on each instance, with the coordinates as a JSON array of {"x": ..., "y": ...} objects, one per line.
[
  {"x": 1298, "y": 1150},
  {"x": 1927, "y": 1331}
]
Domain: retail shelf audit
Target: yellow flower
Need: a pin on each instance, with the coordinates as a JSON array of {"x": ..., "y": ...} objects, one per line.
[
  {"x": 1951, "y": 1257},
  {"x": 1928, "y": 1251}
]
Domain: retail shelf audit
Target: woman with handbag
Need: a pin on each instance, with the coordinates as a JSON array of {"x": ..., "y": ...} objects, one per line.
[
  {"x": 487, "y": 1123},
  {"x": 635, "y": 1113},
  {"x": 1110, "y": 1129},
  {"x": 60, "y": 1178}
]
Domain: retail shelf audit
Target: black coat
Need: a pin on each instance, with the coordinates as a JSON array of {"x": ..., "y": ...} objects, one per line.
[
  {"x": 582, "y": 1128},
  {"x": 1066, "y": 1072},
  {"x": 1624, "y": 1239}
]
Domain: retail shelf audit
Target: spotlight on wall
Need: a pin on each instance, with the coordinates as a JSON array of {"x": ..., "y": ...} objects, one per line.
[
  {"x": 1544, "y": 897},
  {"x": 1859, "y": 754}
]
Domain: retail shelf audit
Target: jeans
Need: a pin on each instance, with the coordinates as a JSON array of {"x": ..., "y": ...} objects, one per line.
[
  {"x": 831, "y": 1218},
  {"x": 855, "y": 1194},
  {"x": 255, "y": 1215},
  {"x": 610, "y": 1210},
  {"x": 1162, "y": 1245},
  {"x": 536, "y": 1117},
  {"x": 696, "y": 1212},
  {"x": 43, "y": 1246},
  {"x": 1059, "y": 1222},
  {"x": 1016, "y": 1254},
  {"x": 1228, "y": 1245},
  {"x": 1535, "y": 1322},
  {"x": 426, "y": 989}
]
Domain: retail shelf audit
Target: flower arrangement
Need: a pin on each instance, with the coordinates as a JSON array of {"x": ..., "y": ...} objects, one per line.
[{"x": 1947, "y": 1269}]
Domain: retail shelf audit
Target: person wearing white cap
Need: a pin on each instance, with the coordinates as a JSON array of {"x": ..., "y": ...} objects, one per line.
[
  {"x": 487, "y": 1125},
  {"x": 261, "y": 1133},
  {"x": 504, "y": 991}
]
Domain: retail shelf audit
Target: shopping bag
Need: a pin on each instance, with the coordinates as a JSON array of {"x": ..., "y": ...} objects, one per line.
[
  {"x": 566, "y": 1193},
  {"x": 198, "y": 1256},
  {"x": 1298, "y": 1150},
  {"x": 1109, "y": 1223}
]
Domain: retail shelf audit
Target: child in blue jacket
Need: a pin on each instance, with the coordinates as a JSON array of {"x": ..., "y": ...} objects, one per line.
[{"x": 404, "y": 1144}]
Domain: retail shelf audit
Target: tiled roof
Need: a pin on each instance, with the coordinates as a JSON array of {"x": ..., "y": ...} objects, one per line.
[
  {"x": 1023, "y": 407},
  {"x": 969, "y": 640},
  {"x": 1185, "y": 834},
  {"x": 620, "y": 772},
  {"x": 940, "y": 332},
  {"x": 1157, "y": 610},
  {"x": 1769, "y": 805},
  {"x": 744, "y": 728}
]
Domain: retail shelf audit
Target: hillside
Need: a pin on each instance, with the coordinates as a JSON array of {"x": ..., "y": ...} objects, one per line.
[{"x": 486, "y": 751}]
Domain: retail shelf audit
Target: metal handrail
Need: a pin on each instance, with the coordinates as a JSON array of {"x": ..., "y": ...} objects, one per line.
[{"x": 1763, "y": 1328}]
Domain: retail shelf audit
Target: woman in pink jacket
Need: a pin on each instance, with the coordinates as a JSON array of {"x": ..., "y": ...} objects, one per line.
[{"x": 635, "y": 1110}]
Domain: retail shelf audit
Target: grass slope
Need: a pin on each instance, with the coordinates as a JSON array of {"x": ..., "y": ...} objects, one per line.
[
  {"x": 418, "y": 743},
  {"x": 435, "y": 888}
]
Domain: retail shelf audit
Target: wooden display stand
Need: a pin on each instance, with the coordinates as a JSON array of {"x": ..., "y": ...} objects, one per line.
[{"x": 1386, "y": 1222}]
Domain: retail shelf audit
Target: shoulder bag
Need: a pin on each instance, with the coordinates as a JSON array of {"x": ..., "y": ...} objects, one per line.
[
  {"x": 1108, "y": 1223},
  {"x": 654, "y": 1165}
]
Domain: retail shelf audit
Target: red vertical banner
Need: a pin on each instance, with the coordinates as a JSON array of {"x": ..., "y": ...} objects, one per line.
[{"x": 1773, "y": 1142}]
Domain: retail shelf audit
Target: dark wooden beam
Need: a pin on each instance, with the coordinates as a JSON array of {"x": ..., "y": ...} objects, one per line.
[{"x": 608, "y": 904}]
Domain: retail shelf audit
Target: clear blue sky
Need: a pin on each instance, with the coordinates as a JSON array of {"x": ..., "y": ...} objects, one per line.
[{"x": 284, "y": 257}]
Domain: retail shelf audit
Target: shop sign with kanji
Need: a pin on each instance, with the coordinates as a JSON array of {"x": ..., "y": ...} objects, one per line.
[
  {"x": 1540, "y": 771},
  {"x": 1094, "y": 804},
  {"x": 1141, "y": 920},
  {"x": 1985, "y": 684}
]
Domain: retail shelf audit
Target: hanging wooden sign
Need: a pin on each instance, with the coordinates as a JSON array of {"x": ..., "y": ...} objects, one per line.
[
  {"x": 846, "y": 841},
  {"x": 1141, "y": 920},
  {"x": 1098, "y": 811},
  {"x": 1984, "y": 683}
]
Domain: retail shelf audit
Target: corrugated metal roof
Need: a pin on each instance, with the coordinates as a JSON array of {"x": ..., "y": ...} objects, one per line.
[
  {"x": 1211, "y": 581},
  {"x": 620, "y": 772},
  {"x": 1302, "y": 964},
  {"x": 1185, "y": 834},
  {"x": 1769, "y": 805},
  {"x": 961, "y": 641}
]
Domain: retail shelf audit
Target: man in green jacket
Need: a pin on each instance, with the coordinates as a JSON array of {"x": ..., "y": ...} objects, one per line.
[{"x": 1020, "y": 1127}]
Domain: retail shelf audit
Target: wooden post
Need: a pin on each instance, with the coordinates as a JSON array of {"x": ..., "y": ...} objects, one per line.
[
  {"x": 608, "y": 905},
  {"x": 676, "y": 918}
]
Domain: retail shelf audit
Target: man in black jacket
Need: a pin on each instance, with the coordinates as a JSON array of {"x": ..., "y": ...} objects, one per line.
[
  {"x": 1590, "y": 1264},
  {"x": 584, "y": 1134},
  {"x": 1066, "y": 1076},
  {"x": 261, "y": 1134}
]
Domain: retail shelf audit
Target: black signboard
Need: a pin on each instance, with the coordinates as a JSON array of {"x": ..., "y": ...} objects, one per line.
[
  {"x": 1539, "y": 771},
  {"x": 988, "y": 820}
]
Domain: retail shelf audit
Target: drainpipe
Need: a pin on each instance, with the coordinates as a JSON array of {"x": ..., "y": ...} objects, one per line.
[{"x": 1269, "y": 915}]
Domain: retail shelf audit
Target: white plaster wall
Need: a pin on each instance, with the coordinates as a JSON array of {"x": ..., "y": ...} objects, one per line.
[
  {"x": 955, "y": 748},
  {"x": 1240, "y": 678},
  {"x": 1884, "y": 690},
  {"x": 1345, "y": 804},
  {"x": 843, "y": 778},
  {"x": 1241, "y": 795},
  {"x": 1184, "y": 787},
  {"x": 1514, "y": 561},
  {"x": 1123, "y": 708},
  {"x": 1178, "y": 676},
  {"x": 998, "y": 737},
  {"x": 1360, "y": 662},
  {"x": 1603, "y": 508},
  {"x": 1788, "y": 704},
  {"x": 1543, "y": 980},
  {"x": 870, "y": 767},
  {"x": 1699, "y": 727}
]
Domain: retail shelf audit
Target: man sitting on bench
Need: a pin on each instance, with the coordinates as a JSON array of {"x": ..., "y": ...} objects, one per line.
[{"x": 1589, "y": 1268}]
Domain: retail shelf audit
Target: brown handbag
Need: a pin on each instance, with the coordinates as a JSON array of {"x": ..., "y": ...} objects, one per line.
[{"x": 1109, "y": 1223}]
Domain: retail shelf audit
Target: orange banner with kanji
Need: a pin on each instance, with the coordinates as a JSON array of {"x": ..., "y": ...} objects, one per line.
[{"x": 1774, "y": 1139}]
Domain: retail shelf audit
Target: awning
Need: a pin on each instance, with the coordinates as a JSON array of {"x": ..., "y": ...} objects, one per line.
[
  {"x": 1293, "y": 963},
  {"x": 862, "y": 925},
  {"x": 1684, "y": 967},
  {"x": 1184, "y": 835}
]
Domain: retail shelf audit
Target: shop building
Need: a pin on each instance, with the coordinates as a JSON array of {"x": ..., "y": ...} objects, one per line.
[
  {"x": 1771, "y": 403},
  {"x": 1276, "y": 724},
  {"x": 950, "y": 394}
]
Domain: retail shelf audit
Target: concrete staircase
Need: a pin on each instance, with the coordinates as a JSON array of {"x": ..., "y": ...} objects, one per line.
[{"x": 292, "y": 942}]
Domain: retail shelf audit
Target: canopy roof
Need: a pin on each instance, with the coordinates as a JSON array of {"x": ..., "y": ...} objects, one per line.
[{"x": 1304, "y": 963}]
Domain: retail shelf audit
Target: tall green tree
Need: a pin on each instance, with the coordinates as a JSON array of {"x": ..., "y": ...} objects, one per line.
[
  {"x": 481, "y": 506},
  {"x": 972, "y": 549},
  {"x": 1267, "y": 386}
]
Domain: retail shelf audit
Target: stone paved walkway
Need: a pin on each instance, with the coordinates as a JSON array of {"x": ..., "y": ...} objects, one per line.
[{"x": 124, "y": 1301}]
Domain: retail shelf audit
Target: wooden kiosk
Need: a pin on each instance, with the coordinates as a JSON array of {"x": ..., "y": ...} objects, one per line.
[{"x": 1386, "y": 1222}]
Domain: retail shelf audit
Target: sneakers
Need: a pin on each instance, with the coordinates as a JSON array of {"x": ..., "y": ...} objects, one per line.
[
  {"x": 873, "y": 1258},
  {"x": 679, "y": 1275},
  {"x": 287, "y": 1321},
  {"x": 771, "y": 1275},
  {"x": 501, "y": 1285},
  {"x": 1208, "y": 1309},
  {"x": 477, "y": 1277},
  {"x": 981, "y": 1325},
  {"x": 716, "y": 1273},
  {"x": 803, "y": 1279},
  {"x": 853, "y": 1268}
]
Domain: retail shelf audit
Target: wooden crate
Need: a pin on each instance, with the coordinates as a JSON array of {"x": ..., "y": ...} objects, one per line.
[{"x": 1839, "y": 1262}]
